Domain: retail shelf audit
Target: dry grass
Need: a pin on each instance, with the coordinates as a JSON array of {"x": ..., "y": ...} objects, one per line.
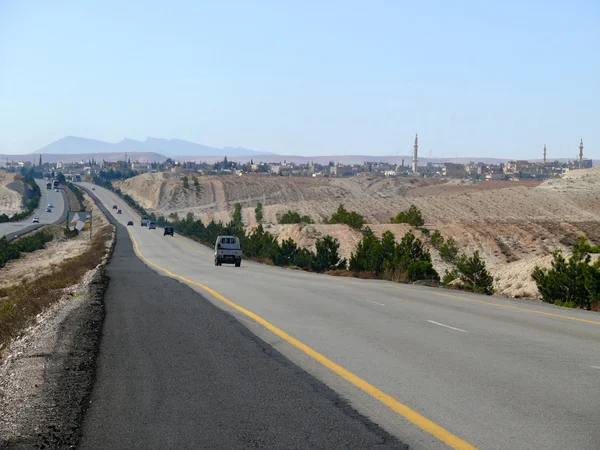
[
  {"x": 339, "y": 273},
  {"x": 20, "y": 303}
]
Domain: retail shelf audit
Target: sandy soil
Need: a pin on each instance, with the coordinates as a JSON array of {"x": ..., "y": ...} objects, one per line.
[
  {"x": 35, "y": 264},
  {"x": 514, "y": 225},
  {"x": 11, "y": 201}
]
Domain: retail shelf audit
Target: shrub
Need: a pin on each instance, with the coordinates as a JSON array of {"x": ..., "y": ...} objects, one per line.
[
  {"x": 473, "y": 274},
  {"x": 436, "y": 239},
  {"x": 368, "y": 255},
  {"x": 449, "y": 250},
  {"x": 186, "y": 183},
  {"x": 294, "y": 217},
  {"x": 258, "y": 212},
  {"x": 237, "y": 214},
  {"x": 13, "y": 250},
  {"x": 327, "y": 256},
  {"x": 411, "y": 216},
  {"x": 421, "y": 270},
  {"x": 351, "y": 218},
  {"x": 573, "y": 281}
]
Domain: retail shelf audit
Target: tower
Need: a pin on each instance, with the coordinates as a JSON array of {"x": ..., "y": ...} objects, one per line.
[
  {"x": 415, "y": 160},
  {"x": 544, "y": 154},
  {"x": 581, "y": 154}
]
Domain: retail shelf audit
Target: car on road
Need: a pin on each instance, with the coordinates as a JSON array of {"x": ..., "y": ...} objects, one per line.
[
  {"x": 56, "y": 190},
  {"x": 48, "y": 209},
  {"x": 152, "y": 225},
  {"x": 36, "y": 220},
  {"x": 130, "y": 223},
  {"x": 169, "y": 231},
  {"x": 144, "y": 222},
  {"x": 50, "y": 205},
  {"x": 115, "y": 207},
  {"x": 93, "y": 188},
  {"x": 119, "y": 211},
  {"x": 228, "y": 249}
]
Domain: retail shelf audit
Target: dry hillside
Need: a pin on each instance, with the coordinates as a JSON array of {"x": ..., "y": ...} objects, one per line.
[
  {"x": 515, "y": 225},
  {"x": 11, "y": 193}
]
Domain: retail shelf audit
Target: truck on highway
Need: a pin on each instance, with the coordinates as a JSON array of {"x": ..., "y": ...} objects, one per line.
[
  {"x": 144, "y": 222},
  {"x": 228, "y": 249},
  {"x": 56, "y": 183}
]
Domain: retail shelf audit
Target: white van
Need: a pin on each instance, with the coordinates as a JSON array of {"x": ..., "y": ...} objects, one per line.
[{"x": 228, "y": 249}]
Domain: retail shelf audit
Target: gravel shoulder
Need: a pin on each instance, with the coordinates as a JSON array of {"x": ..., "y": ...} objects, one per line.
[{"x": 46, "y": 375}]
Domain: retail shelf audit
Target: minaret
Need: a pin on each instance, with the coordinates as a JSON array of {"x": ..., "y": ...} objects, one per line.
[
  {"x": 581, "y": 154},
  {"x": 544, "y": 154},
  {"x": 415, "y": 155}
]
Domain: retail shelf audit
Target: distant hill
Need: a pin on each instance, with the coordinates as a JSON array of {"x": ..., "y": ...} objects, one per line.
[
  {"x": 142, "y": 157},
  {"x": 73, "y": 145}
]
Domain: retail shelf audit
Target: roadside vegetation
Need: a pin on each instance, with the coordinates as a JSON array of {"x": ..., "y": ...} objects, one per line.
[
  {"x": 79, "y": 203},
  {"x": 294, "y": 217},
  {"x": 405, "y": 261},
  {"x": 411, "y": 216},
  {"x": 258, "y": 212},
  {"x": 32, "y": 203},
  {"x": 573, "y": 282},
  {"x": 350, "y": 218},
  {"x": 21, "y": 303},
  {"x": 27, "y": 244}
]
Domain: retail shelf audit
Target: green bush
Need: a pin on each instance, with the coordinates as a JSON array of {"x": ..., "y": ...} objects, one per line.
[
  {"x": 575, "y": 281},
  {"x": 436, "y": 239},
  {"x": 237, "y": 214},
  {"x": 351, "y": 218},
  {"x": 327, "y": 255},
  {"x": 294, "y": 217},
  {"x": 473, "y": 274},
  {"x": 258, "y": 212},
  {"x": 448, "y": 250},
  {"x": 411, "y": 216},
  {"x": 13, "y": 250},
  {"x": 421, "y": 270},
  {"x": 186, "y": 182}
]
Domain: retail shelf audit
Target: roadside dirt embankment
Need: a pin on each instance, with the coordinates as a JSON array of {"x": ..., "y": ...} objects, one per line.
[
  {"x": 514, "y": 225},
  {"x": 12, "y": 193}
]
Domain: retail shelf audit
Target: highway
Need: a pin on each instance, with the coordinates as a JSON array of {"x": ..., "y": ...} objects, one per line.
[
  {"x": 433, "y": 367},
  {"x": 58, "y": 214}
]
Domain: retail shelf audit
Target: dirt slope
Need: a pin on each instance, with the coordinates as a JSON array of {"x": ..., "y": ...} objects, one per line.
[
  {"x": 514, "y": 225},
  {"x": 11, "y": 193}
]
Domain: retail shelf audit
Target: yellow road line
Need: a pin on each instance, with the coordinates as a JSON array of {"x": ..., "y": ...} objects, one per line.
[
  {"x": 403, "y": 410},
  {"x": 483, "y": 302}
]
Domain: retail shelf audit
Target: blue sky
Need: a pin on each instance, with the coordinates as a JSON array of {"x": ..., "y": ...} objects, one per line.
[{"x": 305, "y": 77}]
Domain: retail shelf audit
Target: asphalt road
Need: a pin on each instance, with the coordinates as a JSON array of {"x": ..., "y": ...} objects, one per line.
[
  {"x": 184, "y": 374},
  {"x": 431, "y": 366},
  {"x": 58, "y": 214}
]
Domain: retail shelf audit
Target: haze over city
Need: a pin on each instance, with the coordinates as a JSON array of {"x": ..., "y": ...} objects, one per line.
[{"x": 306, "y": 79}]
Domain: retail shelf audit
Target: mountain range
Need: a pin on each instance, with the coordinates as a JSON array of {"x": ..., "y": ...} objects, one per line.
[{"x": 72, "y": 145}]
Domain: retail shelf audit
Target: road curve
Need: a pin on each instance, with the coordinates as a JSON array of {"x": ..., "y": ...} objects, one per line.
[
  {"x": 59, "y": 213},
  {"x": 466, "y": 370}
]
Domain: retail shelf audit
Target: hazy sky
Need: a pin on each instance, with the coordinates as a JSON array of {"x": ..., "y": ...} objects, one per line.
[{"x": 474, "y": 78}]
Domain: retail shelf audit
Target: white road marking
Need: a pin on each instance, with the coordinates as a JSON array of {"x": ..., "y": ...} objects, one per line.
[
  {"x": 371, "y": 301},
  {"x": 446, "y": 326},
  {"x": 595, "y": 367}
]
